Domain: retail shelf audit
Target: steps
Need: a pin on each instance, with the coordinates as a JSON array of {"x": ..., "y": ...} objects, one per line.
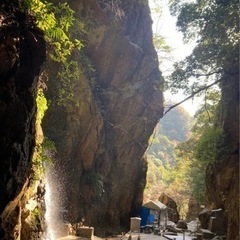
[
  {"x": 215, "y": 225},
  {"x": 207, "y": 234}
]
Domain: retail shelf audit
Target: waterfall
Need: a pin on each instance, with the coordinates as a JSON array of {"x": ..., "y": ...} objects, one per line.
[
  {"x": 53, "y": 199},
  {"x": 49, "y": 215}
]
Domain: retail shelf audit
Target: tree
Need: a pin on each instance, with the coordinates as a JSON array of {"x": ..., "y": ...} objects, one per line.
[
  {"x": 165, "y": 173},
  {"x": 163, "y": 50},
  {"x": 214, "y": 26},
  {"x": 204, "y": 146}
]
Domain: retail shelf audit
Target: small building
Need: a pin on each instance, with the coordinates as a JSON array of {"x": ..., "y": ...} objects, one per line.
[{"x": 154, "y": 213}]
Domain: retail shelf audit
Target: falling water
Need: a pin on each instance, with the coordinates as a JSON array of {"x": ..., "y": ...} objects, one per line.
[
  {"x": 53, "y": 198},
  {"x": 49, "y": 215}
]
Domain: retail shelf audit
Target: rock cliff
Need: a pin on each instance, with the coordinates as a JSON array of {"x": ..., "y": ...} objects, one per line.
[
  {"x": 102, "y": 133},
  {"x": 101, "y": 143},
  {"x": 222, "y": 178},
  {"x": 22, "y": 52}
]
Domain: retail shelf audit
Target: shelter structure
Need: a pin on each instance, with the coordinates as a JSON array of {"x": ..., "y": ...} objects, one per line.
[
  {"x": 155, "y": 205},
  {"x": 154, "y": 213}
]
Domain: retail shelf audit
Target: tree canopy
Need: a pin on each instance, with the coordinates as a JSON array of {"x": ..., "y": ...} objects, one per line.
[
  {"x": 165, "y": 174},
  {"x": 214, "y": 25}
]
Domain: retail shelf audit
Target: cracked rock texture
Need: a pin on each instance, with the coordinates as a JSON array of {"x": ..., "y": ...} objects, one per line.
[
  {"x": 101, "y": 143},
  {"x": 22, "y": 52}
]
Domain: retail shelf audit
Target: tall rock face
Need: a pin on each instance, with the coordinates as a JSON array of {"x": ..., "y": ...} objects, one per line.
[
  {"x": 223, "y": 177},
  {"x": 22, "y": 51},
  {"x": 101, "y": 141}
]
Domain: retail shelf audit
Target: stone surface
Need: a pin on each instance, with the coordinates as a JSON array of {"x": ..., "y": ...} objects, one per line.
[
  {"x": 22, "y": 51},
  {"x": 207, "y": 234},
  {"x": 193, "y": 209},
  {"x": 173, "y": 214},
  {"x": 223, "y": 177},
  {"x": 182, "y": 224},
  {"x": 105, "y": 138},
  {"x": 86, "y": 232},
  {"x": 204, "y": 217},
  {"x": 101, "y": 143}
]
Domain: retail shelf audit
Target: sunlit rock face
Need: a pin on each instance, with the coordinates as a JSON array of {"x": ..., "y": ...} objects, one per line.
[
  {"x": 22, "y": 51},
  {"x": 173, "y": 214},
  {"x": 102, "y": 142},
  {"x": 223, "y": 178}
]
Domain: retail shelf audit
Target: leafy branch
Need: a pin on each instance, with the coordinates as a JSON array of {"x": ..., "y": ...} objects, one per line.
[
  {"x": 215, "y": 28},
  {"x": 56, "y": 22}
]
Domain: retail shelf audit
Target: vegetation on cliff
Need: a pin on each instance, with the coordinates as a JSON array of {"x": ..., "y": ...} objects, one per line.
[
  {"x": 23, "y": 51},
  {"x": 57, "y": 22},
  {"x": 101, "y": 140},
  {"x": 101, "y": 117},
  {"x": 214, "y": 26},
  {"x": 166, "y": 171},
  {"x": 214, "y": 57}
]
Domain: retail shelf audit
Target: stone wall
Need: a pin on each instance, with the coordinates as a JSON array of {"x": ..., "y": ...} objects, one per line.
[
  {"x": 22, "y": 52},
  {"x": 223, "y": 177}
]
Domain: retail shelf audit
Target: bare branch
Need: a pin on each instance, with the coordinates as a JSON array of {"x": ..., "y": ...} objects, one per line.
[
  {"x": 205, "y": 106},
  {"x": 193, "y": 94}
]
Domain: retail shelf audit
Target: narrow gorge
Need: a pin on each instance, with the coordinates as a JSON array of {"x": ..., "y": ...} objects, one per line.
[
  {"x": 101, "y": 141},
  {"x": 102, "y": 111}
]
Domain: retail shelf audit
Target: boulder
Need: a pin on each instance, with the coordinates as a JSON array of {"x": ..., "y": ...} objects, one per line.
[
  {"x": 182, "y": 224},
  {"x": 204, "y": 217},
  {"x": 193, "y": 209},
  {"x": 173, "y": 214}
]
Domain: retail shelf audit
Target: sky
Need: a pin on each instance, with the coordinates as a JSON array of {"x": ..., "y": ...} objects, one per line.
[{"x": 166, "y": 27}]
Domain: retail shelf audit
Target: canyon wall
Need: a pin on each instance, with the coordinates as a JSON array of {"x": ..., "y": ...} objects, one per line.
[
  {"x": 101, "y": 140},
  {"x": 102, "y": 133},
  {"x": 222, "y": 178},
  {"x": 22, "y": 52}
]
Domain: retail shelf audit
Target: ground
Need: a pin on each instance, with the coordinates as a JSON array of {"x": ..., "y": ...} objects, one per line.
[{"x": 135, "y": 236}]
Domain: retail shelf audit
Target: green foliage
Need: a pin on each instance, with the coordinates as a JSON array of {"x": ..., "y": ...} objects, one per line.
[
  {"x": 38, "y": 168},
  {"x": 207, "y": 114},
  {"x": 48, "y": 152},
  {"x": 95, "y": 180},
  {"x": 41, "y": 106},
  {"x": 195, "y": 174},
  {"x": 161, "y": 47},
  {"x": 204, "y": 147},
  {"x": 62, "y": 33},
  {"x": 159, "y": 42},
  {"x": 209, "y": 147},
  {"x": 45, "y": 148},
  {"x": 88, "y": 69},
  {"x": 68, "y": 76},
  {"x": 173, "y": 128},
  {"x": 178, "y": 159},
  {"x": 44, "y": 153},
  {"x": 36, "y": 215},
  {"x": 176, "y": 124},
  {"x": 164, "y": 172},
  {"x": 198, "y": 186},
  {"x": 142, "y": 1},
  {"x": 214, "y": 25},
  {"x": 55, "y": 21}
]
